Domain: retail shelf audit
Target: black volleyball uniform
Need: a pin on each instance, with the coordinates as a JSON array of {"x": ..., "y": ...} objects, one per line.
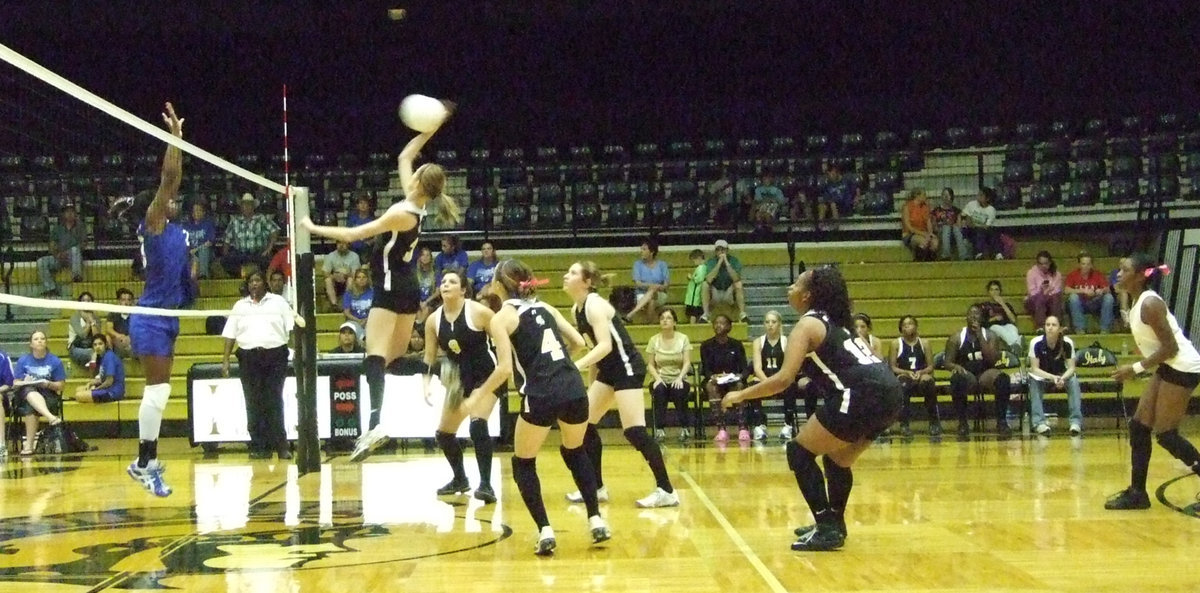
[
  {"x": 863, "y": 395},
  {"x": 393, "y": 273},
  {"x": 911, "y": 358},
  {"x": 551, "y": 387},
  {"x": 623, "y": 367},
  {"x": 770, "y": 358},
  {"x": 469, "y": 348}
]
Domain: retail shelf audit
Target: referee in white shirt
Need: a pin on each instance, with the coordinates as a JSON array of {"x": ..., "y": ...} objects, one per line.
[{"x": 260, "y": 326}]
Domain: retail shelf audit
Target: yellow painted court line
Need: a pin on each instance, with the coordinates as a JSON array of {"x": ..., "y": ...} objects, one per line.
[{"x": 741, "y": 544}]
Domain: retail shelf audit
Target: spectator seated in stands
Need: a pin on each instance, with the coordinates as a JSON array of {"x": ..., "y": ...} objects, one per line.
[
  {"x": 360, "y": 215},
  {"x": 769, "y": 203},
  {"x": 65, "y": 250},
  {"x": 281, "y": 262},
  {"x": 6, "y": 386},
  {"x": 452, "y": 256},
  {"x": 863, "y": 328},
  {"x": 117, "y": 328},
  {"x": 693, "y": 300},
  {"x": 249, "y": 239},
  {"x": 917, "y": 224},
  {"x": 911, "y": 360},
  {"x": 971, "y": 356},
  {"x": 1044, "y": 290},
  {"x": 723, "y": 281},
  {"x": 1121, "y": 299},
  {"x": 277, "y": 283},
  {"x": 720, "y": 196},
  {"x": 1088, "y": 291},
  {"x": 979, "y": 220},
  {"x": 766, "y": 359},
  {"x": 651, "y": 278},
  {"x": 339, "y": 266},
  {"x": 356, "y": 301},
  {"x": 348, "y": 340},
  {"x": 38, "y": 380},
  {"x": 838, "y": 198},
  {"x": 109, "y": 383},
  {"x": 1000, "y": 317},
  {"x": 725, "y": 369},
  {"x": 1052, "y": 367},
  {"x": 948, "y": 226},
  {"x": 669, "y": 362},
  {"x": 482, "y": 270},
  {"x": 201, "y": 232},
  {"x": 426, "y": 281},
  {"x": 82, "y": 327}
]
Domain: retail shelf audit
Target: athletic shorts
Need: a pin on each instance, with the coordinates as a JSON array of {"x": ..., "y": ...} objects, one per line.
[
  {"x": 405, "y": 301},
  {"x": 459, "y": 385},
  {"x": 864, "y": 413},
  {"x": 693, "y": 311},
  {"x": 572, "y": 411},
  {"x": 153, "y": 335},
  {"x": 103, "y": 396},
  {"x": 1177, "y": 377},
  {"x": 621, "y": 381}
]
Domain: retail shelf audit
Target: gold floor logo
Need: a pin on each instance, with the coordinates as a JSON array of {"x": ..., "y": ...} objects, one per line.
[{"x": 160, "y": 547}]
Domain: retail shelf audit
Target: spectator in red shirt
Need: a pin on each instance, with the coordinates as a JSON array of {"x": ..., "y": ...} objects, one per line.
[
  {"x": 1087, "y": 291},
  {"x": 282, "y": 261}
]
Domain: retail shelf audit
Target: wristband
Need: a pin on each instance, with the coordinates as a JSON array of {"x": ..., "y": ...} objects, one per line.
[{"x": 1138, "y": 367}]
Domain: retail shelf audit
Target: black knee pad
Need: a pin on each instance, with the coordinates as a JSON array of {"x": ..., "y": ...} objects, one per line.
[
  {"x": 959, "y": 384},
  {"x": 1178, "y": 447},
  {"x": 479, "y": 430},
  {"x": 569, "y": 455},
  {"x": 636, "y": 435},
  {"x": 522, "y": 467},
  {"x": 798, "y": 457},
  {"x": 373, "y": 364},
  {"x": 1002, "y": 384},
  {"x": 446, "y": 440},
  {"x": 1138, "y": 431}
]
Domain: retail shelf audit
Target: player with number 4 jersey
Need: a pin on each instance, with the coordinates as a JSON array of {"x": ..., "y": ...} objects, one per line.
[
  {"x": 397, "y": 293},
  {"x": 863, "y": 398}
]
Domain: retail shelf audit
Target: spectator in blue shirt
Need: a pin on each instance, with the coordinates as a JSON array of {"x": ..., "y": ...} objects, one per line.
[
  {"x": 362, "y": 214},
  {"x": 37, "y": 376},
  {"x": 651, "y": 278},
  {"x": 201, "y": 232},
  {"x": 452, "y": 256},
  {"x": 356, "y": 301},
  {"x": 482, "y": 270},
  {"x": 769, "y": 202},
  {"x": 109, "y": 383},
  {"x": 838, "y": 197}
]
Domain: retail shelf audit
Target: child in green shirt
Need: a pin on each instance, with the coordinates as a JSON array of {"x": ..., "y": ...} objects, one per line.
[{"x": 692, "y": 300}]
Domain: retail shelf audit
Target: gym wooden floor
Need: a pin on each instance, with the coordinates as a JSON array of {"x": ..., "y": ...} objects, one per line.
[{"x": 1019, "y": 515}]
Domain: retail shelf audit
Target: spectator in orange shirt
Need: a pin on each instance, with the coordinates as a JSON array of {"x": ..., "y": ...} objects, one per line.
[
  {"x": 918, "y": 232},
  {"x": 1087, "y": 291}
]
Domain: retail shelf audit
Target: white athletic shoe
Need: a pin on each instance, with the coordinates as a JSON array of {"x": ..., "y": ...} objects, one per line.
[
  {"x": 659, "y": 498},
  {"x": 546, "y": 543},
  {"x": 760, "y": 432},
  {"x": 601, "y": 495},
  {"x": 685, "y": 435},
  {"x": 369, "y": 441},
  {"x": 660, "y": 434},
  {"x": 150, "y": 477},
  {"x": 600, "y": 530},
  {"x": 785, "y": 433}
]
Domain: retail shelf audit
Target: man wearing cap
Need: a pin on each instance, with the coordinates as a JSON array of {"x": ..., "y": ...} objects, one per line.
[
  {"x": 66, "y": 249},
  {"x": 348, "y": 342},
  {"x": 724, "y": 280},
  {"x": 248, "y": 239}
]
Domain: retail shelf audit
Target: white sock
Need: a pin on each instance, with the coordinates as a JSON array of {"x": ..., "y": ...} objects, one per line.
[{"x": 150, "y": 412}]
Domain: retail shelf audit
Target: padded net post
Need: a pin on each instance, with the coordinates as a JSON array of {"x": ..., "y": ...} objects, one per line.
[{"x": 308, "y": 450}]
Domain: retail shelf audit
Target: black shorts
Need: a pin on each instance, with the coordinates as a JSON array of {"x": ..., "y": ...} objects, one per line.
[
  {"x": 404, "y": 301},
  {"x": 862, "y": 414},
  {"x": 572, "y": 411},
  {"x": 621, "y": 381},
  {"x": 1177, "y": 377}
]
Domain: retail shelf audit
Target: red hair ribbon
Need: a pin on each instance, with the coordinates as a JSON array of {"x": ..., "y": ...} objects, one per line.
[
  {"x": 1165, "y": 269},
  {"x": 533, "y": 283}
]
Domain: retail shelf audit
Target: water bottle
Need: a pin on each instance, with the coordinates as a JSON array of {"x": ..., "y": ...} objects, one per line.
[
  {"x": 1124, "y": 347},
  {"x": 1025, "y": 424}
]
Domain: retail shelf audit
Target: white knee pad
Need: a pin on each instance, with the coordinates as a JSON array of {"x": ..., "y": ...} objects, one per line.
[
  {"x": 156, "y": 396},
  {"x": 150, "y": 413}
]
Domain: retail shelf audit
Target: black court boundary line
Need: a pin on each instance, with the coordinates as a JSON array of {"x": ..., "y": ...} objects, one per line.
[{"x": 1161, "y": 494}]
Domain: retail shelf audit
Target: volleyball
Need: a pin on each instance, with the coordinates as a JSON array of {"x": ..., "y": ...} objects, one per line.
[{"x": 421, "y": 113}]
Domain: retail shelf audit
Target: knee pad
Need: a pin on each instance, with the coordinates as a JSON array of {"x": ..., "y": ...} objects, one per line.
[
  {"x": 446, "y": 440},
  {"x": 479, "y": 430},
  {"x": 156, "y": 396},
  {"x": 959, "y": 384},
  {"x": 1138, "y": 431},
  {"x": 798, "y": 457},
  {"x": 373, "y": 366},
  {"x": 1003, "y": 381},
  {"x": 636, "y": 435},
  {"x": 522, "y": 466},
  {"x": 569, "y": 455},
  {"x": 1179, "y": 447}
]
